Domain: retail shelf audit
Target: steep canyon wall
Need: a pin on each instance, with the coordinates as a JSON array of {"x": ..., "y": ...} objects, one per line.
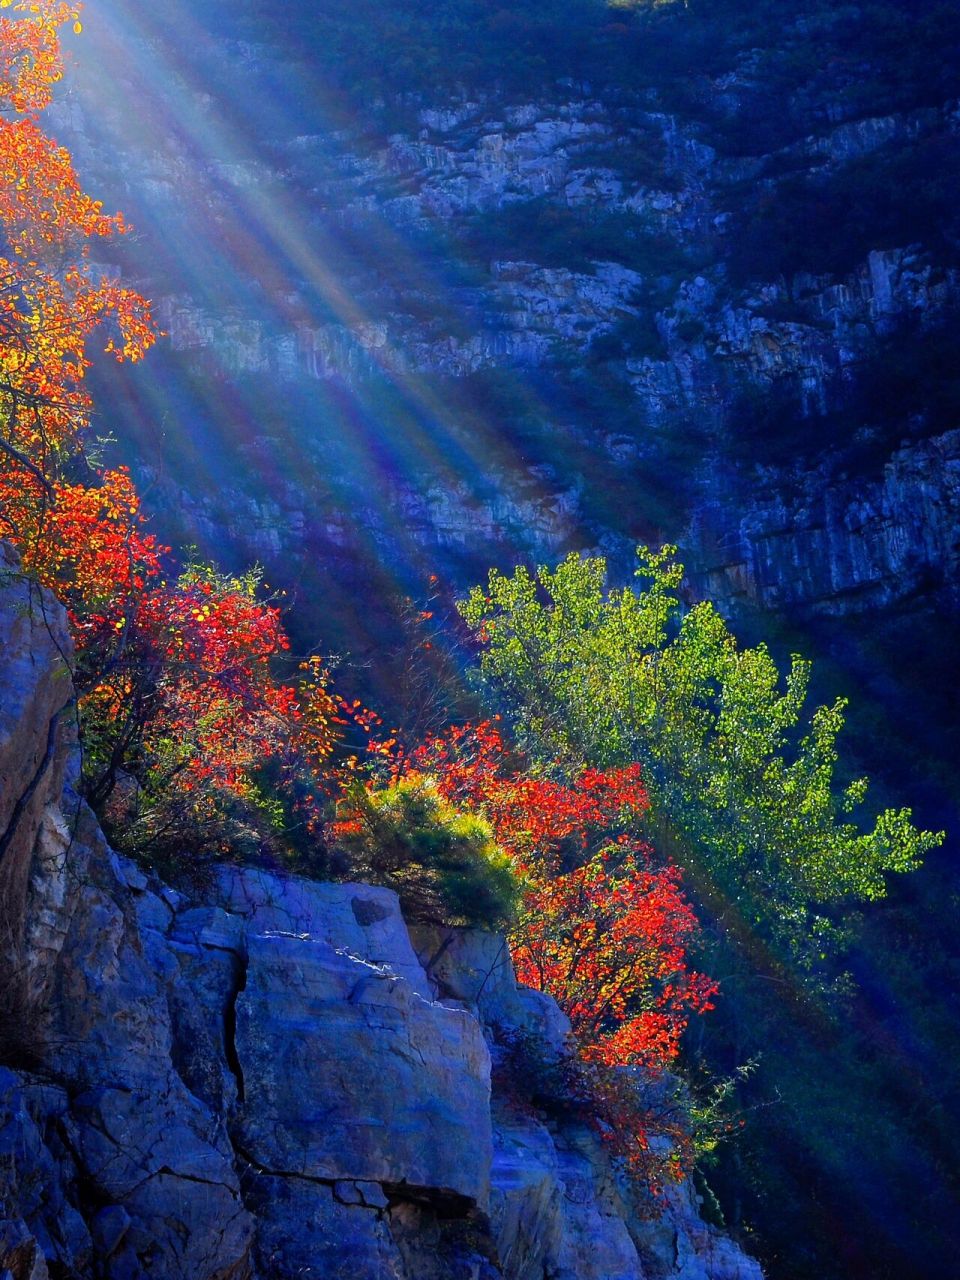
[{"x": 514, "y": 327}]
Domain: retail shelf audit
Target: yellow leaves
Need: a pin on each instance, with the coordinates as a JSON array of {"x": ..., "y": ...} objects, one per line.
[{"x": 30, "y": 57}]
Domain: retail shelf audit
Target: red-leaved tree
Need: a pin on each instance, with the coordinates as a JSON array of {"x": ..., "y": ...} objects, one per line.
[
  {"x": 603, "y": 928},
  {"x": 182, "y": 703}
]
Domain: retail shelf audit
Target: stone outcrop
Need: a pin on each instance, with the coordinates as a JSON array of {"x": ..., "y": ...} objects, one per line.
[
  {"x": 34, "y": 739},
  {"x": 844, "y": 545},
  {"x": 279, "y": 1079}
]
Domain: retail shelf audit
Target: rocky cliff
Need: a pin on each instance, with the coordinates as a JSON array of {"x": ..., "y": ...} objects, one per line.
[
  {"x": 842, "y": 547},
  {"x": 418, "y": 331},
  {"x": 273, "y": 1078},
  {"x": 425, "y": 334}
]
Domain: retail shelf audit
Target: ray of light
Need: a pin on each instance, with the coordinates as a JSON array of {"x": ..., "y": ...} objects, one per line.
[{"x": 256, "y": 253}]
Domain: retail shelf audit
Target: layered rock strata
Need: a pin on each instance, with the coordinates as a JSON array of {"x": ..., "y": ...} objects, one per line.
[{"x": 624, "y": 282}]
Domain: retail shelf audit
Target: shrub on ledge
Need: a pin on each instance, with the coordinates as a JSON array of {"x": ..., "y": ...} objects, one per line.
[{"x": 443, "y": 862}]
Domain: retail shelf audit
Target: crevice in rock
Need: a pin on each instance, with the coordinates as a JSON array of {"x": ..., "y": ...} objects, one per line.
[
  {"x": 434, "y": 1242},
  {"x": 23, "y": 800},
  {"x": 167, "y": 1171},
  {"x": 82, "y": 1192},
  {"x": 367, "y": 912},
  {"x": 230, "y": 1029},
  {"x": 444, "y": 991},
  {"x": 254, "y": 1164},
  {"x": 444, "y": 1203}
]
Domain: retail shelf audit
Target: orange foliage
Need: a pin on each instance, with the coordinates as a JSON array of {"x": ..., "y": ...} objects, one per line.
[
  {"x": 30, "y": 60},
  {"x": 608, "y": 941},
  {"x": 603, "y": 928},
  {"x": 176, "y": 679},
  {"x": 51, "y": 300},
  {"x": 531, "y": 815},
  {"x": 86, "y": 544}
]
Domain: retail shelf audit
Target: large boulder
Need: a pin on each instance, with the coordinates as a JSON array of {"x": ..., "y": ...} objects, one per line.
[
  {"x": 350, "y": 1074},
  {"x": 361, "y": 919}
]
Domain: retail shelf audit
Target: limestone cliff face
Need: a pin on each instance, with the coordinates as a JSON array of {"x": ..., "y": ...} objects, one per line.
[
  {"x": 408, "y": 262},
  {"x": 278, "y": 1079},
  {"x": 841, "y": 545}
]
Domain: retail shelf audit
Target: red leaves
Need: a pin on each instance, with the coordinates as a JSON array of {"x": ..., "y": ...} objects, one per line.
[
  {"x": 87, "y": 544},
  {"x": 608, "y": 941},
  {"x": 532, "y": 816},
  {"x": 604, "y": 929},
  {"x": 51, "y": 301},
  {"x": 177, "y": 681},
  {"x": 188, "y": 675},
  {"x": 30, "y": 60}
]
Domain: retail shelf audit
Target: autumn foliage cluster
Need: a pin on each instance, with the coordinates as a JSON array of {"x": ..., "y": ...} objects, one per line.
[
  {"x": 176, "y": 673},
  {"x": 599, "y": 923},
  {"x": 603, "y": 927}
]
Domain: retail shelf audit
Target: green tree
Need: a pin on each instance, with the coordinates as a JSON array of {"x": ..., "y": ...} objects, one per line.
[{"x": 744, "y": 790}]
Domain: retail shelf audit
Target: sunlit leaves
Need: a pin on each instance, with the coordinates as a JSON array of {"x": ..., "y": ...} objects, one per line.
[
  {"x": 440, "y": 857},
  {"x": 52, "y": 300},
  {"x": 602, "y": 927},
  {"x": 608, "y": 940},
  {"x": 181, "y": 704},
  {"x": 30, "y": 58},
  {"x": 612, "y": 676}
]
